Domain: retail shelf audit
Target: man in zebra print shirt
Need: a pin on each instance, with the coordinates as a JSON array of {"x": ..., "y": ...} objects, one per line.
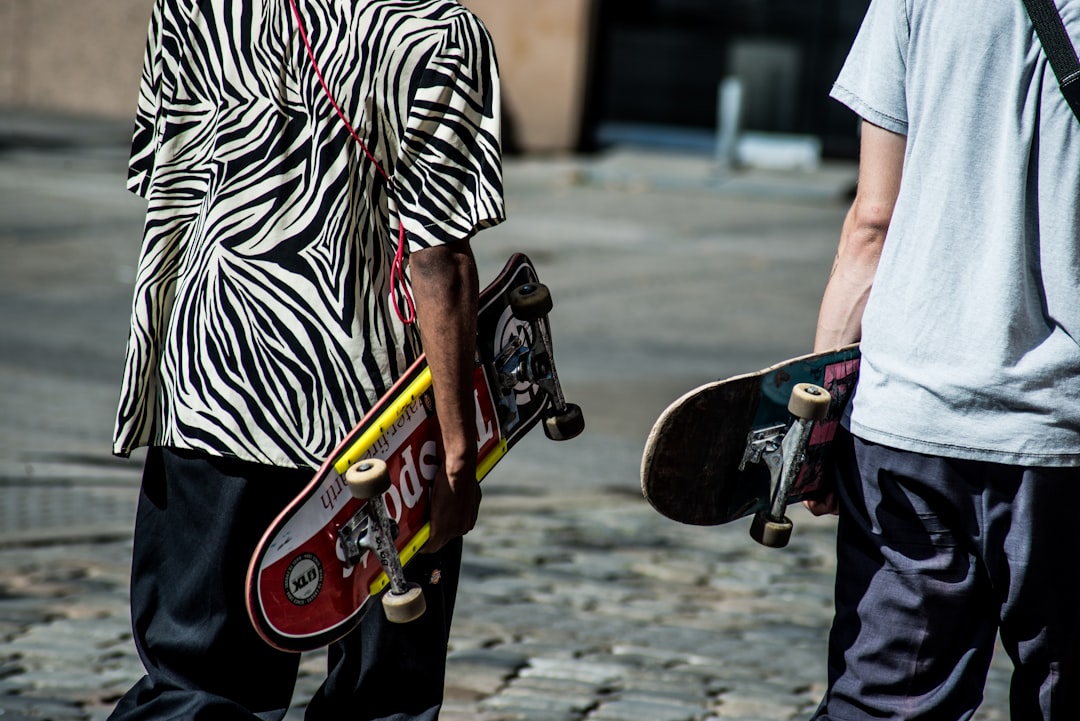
[{"x": 281, "y": 146}]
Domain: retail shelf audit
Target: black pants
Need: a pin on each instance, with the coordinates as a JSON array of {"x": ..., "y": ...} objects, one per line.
[
  {"x": 935, "y": 557},
  {"x": 198, "y": 523}
]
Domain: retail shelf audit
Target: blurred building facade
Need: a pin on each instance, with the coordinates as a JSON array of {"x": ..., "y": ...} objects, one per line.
[
  {"x": 575, "y": 71},
  {"x": 660, "y": 63}
]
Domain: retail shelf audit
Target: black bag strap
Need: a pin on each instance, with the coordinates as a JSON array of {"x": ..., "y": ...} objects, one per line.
[{"x": 1059, "y": 48}]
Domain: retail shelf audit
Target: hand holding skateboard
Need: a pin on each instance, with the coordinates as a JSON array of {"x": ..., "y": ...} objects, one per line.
[
  {"x": 751, "y": 444},
  {"x": 366, "y": 512}
]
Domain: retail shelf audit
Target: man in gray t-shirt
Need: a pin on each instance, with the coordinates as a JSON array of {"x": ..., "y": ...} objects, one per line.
[{"x": 959, "y": 272}]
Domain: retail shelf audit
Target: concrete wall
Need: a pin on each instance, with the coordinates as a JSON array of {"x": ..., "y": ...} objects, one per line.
[
  {"x": 85, "y": 56},
  {"x": 543, "y": 49},
  {"x": 76, "y": 56}
]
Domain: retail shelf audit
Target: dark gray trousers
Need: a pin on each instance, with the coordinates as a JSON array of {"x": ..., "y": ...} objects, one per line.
[
  {"x": 935, "y": 558},
  {"x": 199, "y": 520}
]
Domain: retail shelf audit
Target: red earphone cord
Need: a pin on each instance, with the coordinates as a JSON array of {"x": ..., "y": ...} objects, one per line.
[{"x": 398, "y": 287}]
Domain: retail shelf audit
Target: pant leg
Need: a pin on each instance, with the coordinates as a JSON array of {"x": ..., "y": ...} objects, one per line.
[
  {"x": 199, "y": 520},
  {"x": 1034, "y": 544},
  {"x": 395, "y": 672},
  {"x": 916, "y": 618}
]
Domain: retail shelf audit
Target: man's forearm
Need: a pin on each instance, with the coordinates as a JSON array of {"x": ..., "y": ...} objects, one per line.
[
  {"x": 862, "y": 238},
  {"x": 445, "y": 286},
  {"x": 844, "y": 300}
]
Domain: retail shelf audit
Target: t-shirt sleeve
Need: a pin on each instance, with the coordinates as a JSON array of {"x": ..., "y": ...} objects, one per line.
[
  {"x": 448, "y": 178},
  {"x": 873, "y": 80}
]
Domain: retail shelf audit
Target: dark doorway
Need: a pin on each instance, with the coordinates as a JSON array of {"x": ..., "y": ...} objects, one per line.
[{"x": 659, "y": 64}]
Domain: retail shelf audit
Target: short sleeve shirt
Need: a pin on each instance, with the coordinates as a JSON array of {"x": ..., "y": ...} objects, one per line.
[
  {"x": 263, "y": 325},
  {"x": 971, "y": 335}
]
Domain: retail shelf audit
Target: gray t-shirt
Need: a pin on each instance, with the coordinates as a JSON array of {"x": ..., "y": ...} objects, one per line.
[{"x": 971, "y": 337}]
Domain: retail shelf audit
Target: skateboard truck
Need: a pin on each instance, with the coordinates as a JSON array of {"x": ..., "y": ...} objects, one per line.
[
  {"x": 783, "y": 451},
  {"x": 519, "y": 363},
  {"x": 373, "y": 530},
  {"x": 360, "y": 534}
]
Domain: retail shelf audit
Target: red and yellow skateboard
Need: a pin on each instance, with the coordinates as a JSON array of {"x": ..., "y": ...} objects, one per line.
[{"x": 364, "y": 515}]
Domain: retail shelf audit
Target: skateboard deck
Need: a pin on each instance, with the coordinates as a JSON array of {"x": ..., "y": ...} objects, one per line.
[
  {"x": 317, "y": 566},
  {"x": 717, "y": 454}
]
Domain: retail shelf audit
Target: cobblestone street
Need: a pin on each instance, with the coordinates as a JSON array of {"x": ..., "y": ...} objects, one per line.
[{"x": 578, "y": 601}]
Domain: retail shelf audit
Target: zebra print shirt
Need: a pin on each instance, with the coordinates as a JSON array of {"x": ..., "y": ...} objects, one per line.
[{"x": 262, "y": 325}]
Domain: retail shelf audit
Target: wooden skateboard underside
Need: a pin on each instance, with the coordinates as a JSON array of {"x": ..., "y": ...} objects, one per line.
[{"x": 690, "y": 468}]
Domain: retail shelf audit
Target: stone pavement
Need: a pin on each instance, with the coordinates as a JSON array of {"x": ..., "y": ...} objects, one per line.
[{"x": 579, "y": 603}]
